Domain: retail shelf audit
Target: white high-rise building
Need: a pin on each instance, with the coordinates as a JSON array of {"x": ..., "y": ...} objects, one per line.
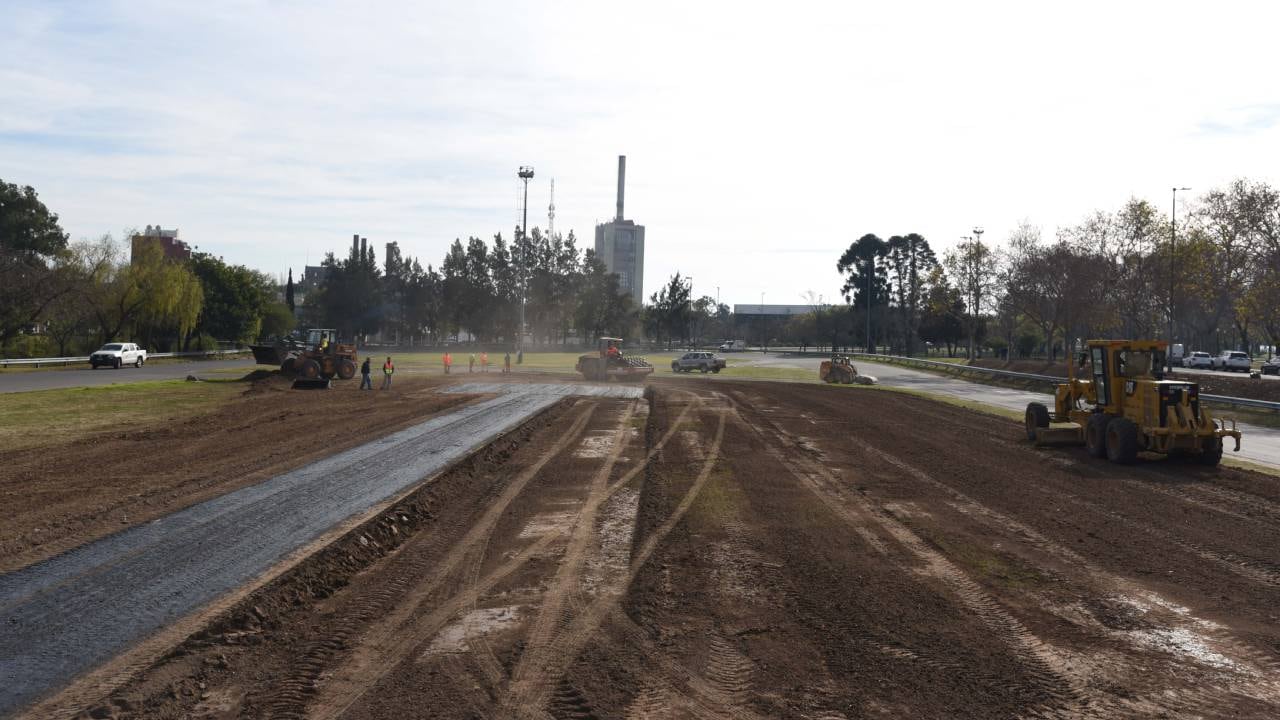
[{"x": 620, "y": 245}]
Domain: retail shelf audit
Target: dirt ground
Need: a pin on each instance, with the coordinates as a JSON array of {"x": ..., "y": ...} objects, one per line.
[
  {"x": 765, "y": 550},
  {"x": 62, "y": 495}
]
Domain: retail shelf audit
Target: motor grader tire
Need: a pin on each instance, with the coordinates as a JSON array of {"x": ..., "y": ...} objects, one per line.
[
  {"x": 1122, "y": 441},
  {"x": 1095, "y": 435},
  {"x": 1210, "y": 452},
  {"x": 346, "y": 369},
  {"x": 1037, "y": 417},
  {"x": 308, "y": 369}
]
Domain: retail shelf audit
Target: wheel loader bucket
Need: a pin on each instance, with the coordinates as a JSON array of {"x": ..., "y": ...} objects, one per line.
[{"x": 316, "y": 384}]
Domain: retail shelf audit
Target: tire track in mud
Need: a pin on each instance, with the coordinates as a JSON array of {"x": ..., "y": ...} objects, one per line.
[
  {"x": 289, "y": 697},
  {"x": 566, "y": 646},
  {"x": 553, "y": 613},
  {"x": 1161, "y": 699},
  {"x": 1050, "y": 672},
  {"x": 400, "y": 633}
]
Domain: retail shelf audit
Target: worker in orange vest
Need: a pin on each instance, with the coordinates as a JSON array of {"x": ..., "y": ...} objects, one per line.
[
  {"x": 484, "y": 361},
  {"x": 448, "y": 362},
  {"x": 388, "y": 369}
]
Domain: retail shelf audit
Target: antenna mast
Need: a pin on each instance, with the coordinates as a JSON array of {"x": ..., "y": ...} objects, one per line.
[{"x": 551, "y": 211}]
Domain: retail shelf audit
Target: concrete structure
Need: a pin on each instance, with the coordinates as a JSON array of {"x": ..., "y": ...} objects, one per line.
[
  {"x": 775, "y": 310},
  {"x": 620, "y": 245},
  {"x": 173, "y": 248}
]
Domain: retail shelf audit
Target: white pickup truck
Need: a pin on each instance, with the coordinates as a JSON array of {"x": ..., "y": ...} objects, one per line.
[
  {"x": 1232, "y": 360},
  {"x": 117, "y": 355}
]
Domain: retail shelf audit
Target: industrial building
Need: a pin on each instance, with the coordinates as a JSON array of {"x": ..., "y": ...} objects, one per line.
[{"x": 620, "y": 245}]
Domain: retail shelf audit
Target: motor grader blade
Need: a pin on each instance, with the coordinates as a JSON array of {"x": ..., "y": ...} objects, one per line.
[{"x": 1064, "y": 434}]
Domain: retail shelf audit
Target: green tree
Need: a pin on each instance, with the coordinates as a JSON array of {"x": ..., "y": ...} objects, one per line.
[
  {"x": 31, "y": 244},
  {"x": 235, "y": 298},
  {"x": 866, "y": 284}
]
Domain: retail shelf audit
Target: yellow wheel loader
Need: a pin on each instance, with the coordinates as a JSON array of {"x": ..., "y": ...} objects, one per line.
[{"x": 1117, "y": 403}]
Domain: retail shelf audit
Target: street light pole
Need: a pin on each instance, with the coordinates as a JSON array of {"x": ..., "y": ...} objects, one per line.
[
  {"x": 526, "y": 174},
  {"x": 1173, "y": 240},
  {"x": 977, "y": 233}
]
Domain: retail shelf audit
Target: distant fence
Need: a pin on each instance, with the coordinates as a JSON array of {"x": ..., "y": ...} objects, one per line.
[
  {"x": 50, "y": 362},
  {"x": 1050, "y": 380}
]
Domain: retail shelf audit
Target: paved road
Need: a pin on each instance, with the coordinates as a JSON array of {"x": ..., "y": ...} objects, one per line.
[
  {"x": 28, "y": 380},
  {"x": 73, "y": 612}
]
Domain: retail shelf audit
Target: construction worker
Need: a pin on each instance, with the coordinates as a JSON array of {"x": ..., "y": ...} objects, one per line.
[
  {"x": 388, "y": 369},
  {"x": 484, "y": 361},
  {"x": 471, "y": 363},
  {"x": 366, "y": 382},
  {"x": 448, "y": 362},
  {"x": 612, "y": 354},
  {"x": 324, "y": 342},
  {"x": 506, "y": 363}
]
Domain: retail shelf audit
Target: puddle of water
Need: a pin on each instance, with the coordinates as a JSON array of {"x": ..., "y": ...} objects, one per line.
[{"x": 477, "y": 623}]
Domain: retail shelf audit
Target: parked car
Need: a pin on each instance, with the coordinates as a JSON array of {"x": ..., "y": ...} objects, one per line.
[
  {"x": 117, "y": 355},
  {"x": 701, "y": 361},
  {"x": 1272, "y": 366},
  {"x": 1233, "y": 361},
  {"x": 1198, "y": 359}
]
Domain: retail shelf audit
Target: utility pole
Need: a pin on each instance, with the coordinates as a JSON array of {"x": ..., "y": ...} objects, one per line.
[
  {"x": 525, "y": 174},
  {"x": 871, "y": 270},
  {"x": 977, "y": 294},
  {"x": 1173, "y": 240}
]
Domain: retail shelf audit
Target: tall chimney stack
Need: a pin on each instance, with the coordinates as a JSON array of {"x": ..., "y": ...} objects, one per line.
[
  {"x": 364, "y": 246},
  {"x": 355, "y": 244},
  {"x": 622, "y": 182}
]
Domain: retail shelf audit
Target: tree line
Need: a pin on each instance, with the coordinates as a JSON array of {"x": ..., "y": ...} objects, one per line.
[
  {"x": 82, "y": 294},
  {"x": 1124, "y": 273},
  {"x": 475, "y": 292}
]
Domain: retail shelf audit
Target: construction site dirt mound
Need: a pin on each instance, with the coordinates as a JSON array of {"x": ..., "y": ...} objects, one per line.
[
  {"x": 766, "y": 550},
  {"x": 62, "y": 495}
]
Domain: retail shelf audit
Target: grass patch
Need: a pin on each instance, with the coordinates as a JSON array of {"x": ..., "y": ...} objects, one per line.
[{"x": 47, "y": 417}]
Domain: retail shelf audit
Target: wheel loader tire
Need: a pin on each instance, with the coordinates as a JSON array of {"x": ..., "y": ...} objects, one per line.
[
  {"x": 1095, "y": 435},
  {"x": 1122, "y": 441},
  {"x": 308, "y": 369},
  {"x": 1037, "y": 417},
  {"x": 289, "y": 365},
  {"x": 346, "y": 369},
  {"x": 1210, "y": 452}
]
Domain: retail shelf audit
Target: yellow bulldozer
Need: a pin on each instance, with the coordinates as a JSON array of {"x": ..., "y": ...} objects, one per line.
[
  {"x": 837, "y": 370},
  {"x": 1117, "y": 403}
]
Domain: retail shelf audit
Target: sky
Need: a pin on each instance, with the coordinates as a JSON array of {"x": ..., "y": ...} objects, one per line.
[{"x": 761, "y": 138}]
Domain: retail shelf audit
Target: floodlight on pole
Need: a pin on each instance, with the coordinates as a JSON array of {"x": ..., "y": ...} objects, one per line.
[{"x": 525, "y": 173}]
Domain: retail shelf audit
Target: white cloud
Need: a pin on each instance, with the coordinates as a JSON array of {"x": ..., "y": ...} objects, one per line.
[{"x": 269, "y": 132}]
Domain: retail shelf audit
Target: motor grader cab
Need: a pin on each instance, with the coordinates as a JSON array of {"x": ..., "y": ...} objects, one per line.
[
  {"x": 1117, "y": 402},
  {"x": 321, "y": 358},
  {"x": 837, "y": 370},
  {"x": 608, "y": 361}
]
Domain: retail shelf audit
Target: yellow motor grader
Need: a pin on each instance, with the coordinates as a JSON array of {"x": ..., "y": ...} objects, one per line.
[{"x": 1118, "y": 403}]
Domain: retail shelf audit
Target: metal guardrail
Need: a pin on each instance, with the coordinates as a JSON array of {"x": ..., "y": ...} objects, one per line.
[
  {"x": 38, "y": 362},
  {"x": 958, "y": 369}
]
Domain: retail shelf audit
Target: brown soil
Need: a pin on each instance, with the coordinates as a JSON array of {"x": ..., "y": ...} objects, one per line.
[
  {"x": 59, "y": 496},
  {"x": 753, "y": 550}
]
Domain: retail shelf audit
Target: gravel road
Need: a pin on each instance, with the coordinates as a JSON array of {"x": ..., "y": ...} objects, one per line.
[
  {"x": 75, "y": 611},
  {"x": 26, "y": 381}
]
